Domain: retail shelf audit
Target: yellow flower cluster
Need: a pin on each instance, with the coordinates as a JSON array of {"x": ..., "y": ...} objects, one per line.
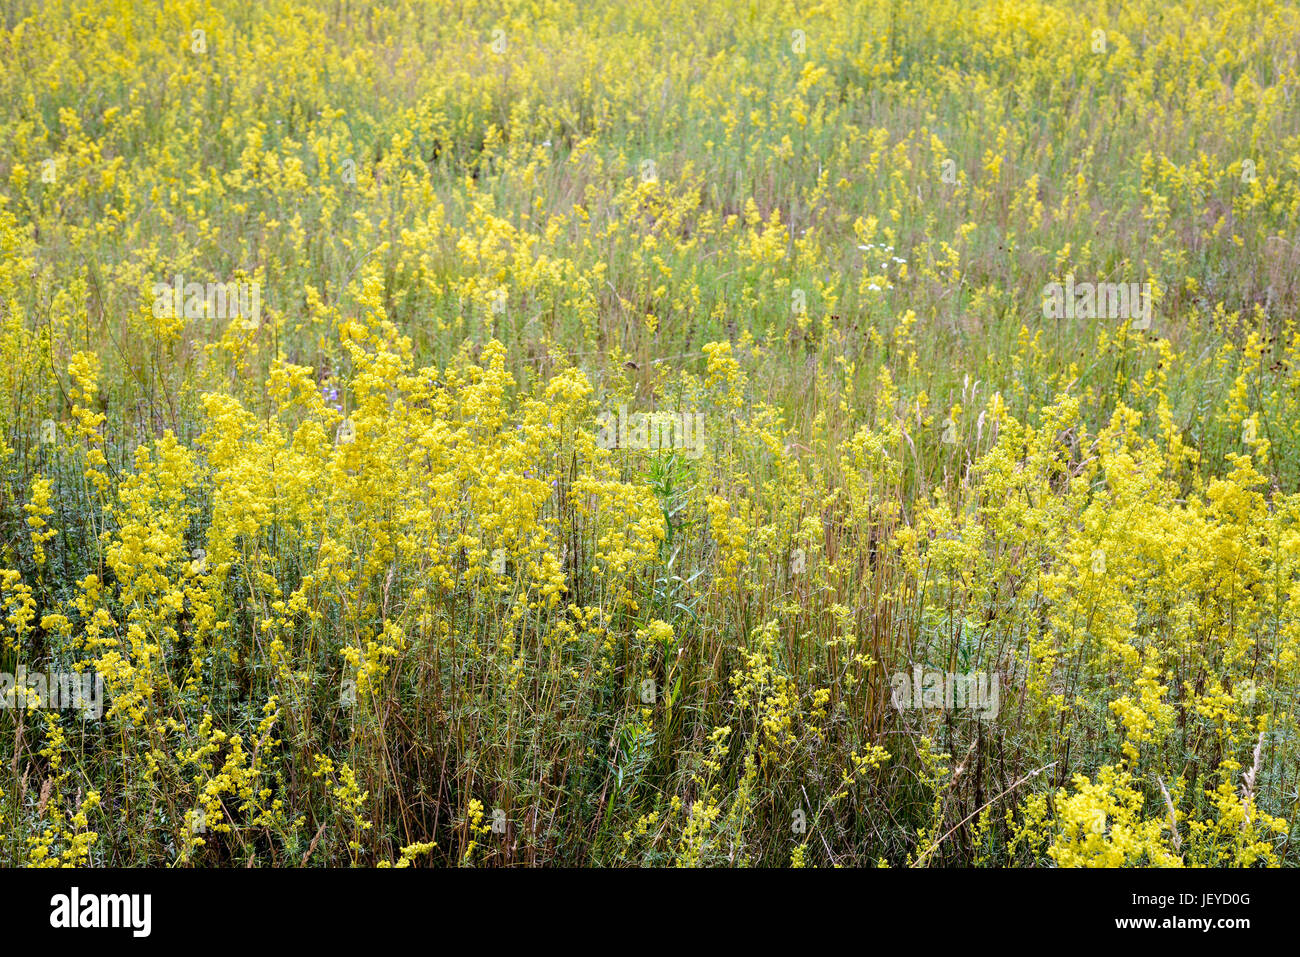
[{"x": 362, "y": 580}]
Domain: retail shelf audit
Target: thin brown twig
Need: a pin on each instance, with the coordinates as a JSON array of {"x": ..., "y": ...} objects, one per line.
[{"x": 968, "y": 817}]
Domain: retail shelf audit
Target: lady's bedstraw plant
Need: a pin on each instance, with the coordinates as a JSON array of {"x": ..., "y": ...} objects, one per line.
[{"x": 364, "y": 581}]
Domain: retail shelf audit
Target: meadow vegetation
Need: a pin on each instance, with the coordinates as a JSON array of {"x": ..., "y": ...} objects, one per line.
[{"x": 366, "y": 580}]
